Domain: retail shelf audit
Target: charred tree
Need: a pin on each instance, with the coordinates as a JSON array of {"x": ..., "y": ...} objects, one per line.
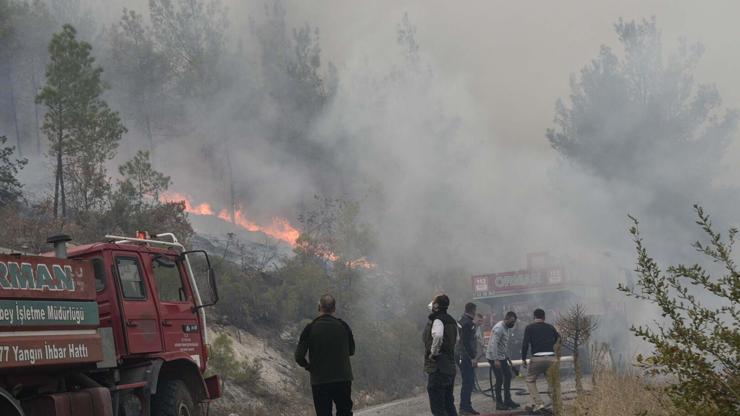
[{"x": 575, "y": 329}]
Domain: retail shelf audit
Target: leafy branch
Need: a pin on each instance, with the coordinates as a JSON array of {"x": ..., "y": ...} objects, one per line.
[{"x": 697, "y": 341}]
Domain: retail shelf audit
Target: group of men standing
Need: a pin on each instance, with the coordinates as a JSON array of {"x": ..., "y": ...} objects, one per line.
[
  {"x": 448, "y": 344},
  {"x": 444, "y": 351}
]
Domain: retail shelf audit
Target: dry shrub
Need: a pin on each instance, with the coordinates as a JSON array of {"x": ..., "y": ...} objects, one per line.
[{"x": 623, "y": 394}]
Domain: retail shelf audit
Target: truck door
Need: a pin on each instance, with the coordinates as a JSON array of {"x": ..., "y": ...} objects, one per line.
[
  {"x": 140, "y": 322},
  {"x": 180, "y": 329}
]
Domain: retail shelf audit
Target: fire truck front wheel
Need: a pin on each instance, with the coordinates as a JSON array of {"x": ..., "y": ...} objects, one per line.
[{"x": 173, "y": 398}]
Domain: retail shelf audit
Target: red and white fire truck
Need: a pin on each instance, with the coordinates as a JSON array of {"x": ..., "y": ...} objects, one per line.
[{"x": 106, "y": 329}]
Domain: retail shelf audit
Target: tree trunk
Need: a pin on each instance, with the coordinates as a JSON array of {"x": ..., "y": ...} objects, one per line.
[
  {"x": 60, "y": 173},
  {"x": 15, "y": 110},
  {"x": 56, "y": 191},
  {"x": 149, "y": 136},
  {"x": 36, "y": 107},
  {"x": 576, "y": 363},
  {"x": 232, "y": 196}
]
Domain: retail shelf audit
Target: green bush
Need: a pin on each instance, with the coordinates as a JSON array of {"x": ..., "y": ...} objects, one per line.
[
  {"x": 698, "y": 342},
  {"x": 221, "y": 358},
  {"x": 244, "y": 373},
  {"x": 248, "y": 374}
]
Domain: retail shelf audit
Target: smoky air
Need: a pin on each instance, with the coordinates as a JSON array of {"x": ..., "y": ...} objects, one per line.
[{"x": 383, "y": 152}]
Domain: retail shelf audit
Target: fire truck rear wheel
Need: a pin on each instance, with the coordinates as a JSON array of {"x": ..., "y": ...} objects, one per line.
[{"x": 173, "y": 398}]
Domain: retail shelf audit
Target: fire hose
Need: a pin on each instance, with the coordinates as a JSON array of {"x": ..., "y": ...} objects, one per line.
[{"x": 513, "y": 365}]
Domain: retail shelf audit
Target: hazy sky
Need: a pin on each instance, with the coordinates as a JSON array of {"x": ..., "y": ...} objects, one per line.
[
  {"x": 514, "y": 60},
  {"x": 516, "y": 56}
]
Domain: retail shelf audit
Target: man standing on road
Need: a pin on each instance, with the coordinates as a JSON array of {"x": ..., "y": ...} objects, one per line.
[
  {"x": 498, "y": 356},
  {"x": 466, "y": 360},
  {"x": 440, "y": 337},
  {"x": 480, "y": 338},
  {"x": 542, "y": 337},
  {"x": 329, "y": 343}
]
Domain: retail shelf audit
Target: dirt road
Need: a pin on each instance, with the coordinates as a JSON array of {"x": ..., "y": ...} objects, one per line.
[{"x": 419, "y": 406}]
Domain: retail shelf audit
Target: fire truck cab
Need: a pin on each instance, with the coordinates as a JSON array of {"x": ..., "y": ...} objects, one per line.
[{"x": 146, "y": 349}]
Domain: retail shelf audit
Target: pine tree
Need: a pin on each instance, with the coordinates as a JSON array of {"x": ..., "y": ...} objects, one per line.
[
  {"x": 141, "y": 183},
  {"x": 84, "y": 132},
  {"x": 190, "y": 33},
  {"x": 139, "y": 72},
  {"x": 10, "y": 187}
]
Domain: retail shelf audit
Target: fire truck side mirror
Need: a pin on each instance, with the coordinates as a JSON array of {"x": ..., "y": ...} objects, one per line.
[{"x": 199, "y": 265}]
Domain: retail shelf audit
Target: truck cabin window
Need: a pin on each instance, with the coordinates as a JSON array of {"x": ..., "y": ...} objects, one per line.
[
  {"x": 132, "y": 284},
  {"x": 168, "y": 279},
  {"x": 99, "y": 269}
]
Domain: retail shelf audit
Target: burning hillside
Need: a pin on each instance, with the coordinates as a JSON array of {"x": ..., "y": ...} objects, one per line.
[{"x": 279, "y": 229}]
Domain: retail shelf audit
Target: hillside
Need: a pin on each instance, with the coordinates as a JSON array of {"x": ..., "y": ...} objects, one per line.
[{"x": 278, "y": 387}]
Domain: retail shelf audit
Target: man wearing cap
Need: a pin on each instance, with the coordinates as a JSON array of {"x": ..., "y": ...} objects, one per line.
[{"x": 440, "y": 337}]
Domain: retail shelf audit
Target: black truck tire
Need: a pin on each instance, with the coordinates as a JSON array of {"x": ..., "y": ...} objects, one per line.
[
  {"x": 9, "y": 409},
  {"x": 173, "y": 398}
]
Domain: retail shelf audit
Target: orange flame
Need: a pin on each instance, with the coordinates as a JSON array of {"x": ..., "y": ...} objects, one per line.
[
  {"x": 279, "y": 229},
  {"x": 363, "y": 263},
  {"x": 201, "y": 209}
]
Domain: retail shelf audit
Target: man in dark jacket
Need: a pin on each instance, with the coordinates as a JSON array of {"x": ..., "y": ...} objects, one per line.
[
  {"x": 440, "y": 337},
  {"x": 467, "y": 360},
  {"x": 541, "y": 337},
  {"x": 329, "y": 343}
]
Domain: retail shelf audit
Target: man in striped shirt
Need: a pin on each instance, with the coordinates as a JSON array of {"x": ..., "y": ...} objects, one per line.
[{"x": 497, "y": 354}]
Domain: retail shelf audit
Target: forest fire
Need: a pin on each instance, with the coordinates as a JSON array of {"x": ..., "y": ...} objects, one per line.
[{"x": 280, "y": 229}]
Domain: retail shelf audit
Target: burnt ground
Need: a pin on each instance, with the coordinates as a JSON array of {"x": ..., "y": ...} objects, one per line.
[{"x": 419, "y": 406}]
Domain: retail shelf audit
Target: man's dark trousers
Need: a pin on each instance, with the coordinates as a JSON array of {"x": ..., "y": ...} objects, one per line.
[
  {"x": 340, "y": 394},
  {"x": 503, "y": 379},
  {"x": 468, "y": 380},
  {"x": 441, "y": 394}
]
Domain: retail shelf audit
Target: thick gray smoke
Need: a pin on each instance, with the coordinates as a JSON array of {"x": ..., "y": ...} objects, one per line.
[
  {"x": 443, "y": 174},
  {"x": 451, "y": 176},
  {"x": 434, "y": 120}
]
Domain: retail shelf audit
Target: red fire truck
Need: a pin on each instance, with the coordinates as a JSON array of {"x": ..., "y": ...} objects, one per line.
[{"x": 115, "y": 328}]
